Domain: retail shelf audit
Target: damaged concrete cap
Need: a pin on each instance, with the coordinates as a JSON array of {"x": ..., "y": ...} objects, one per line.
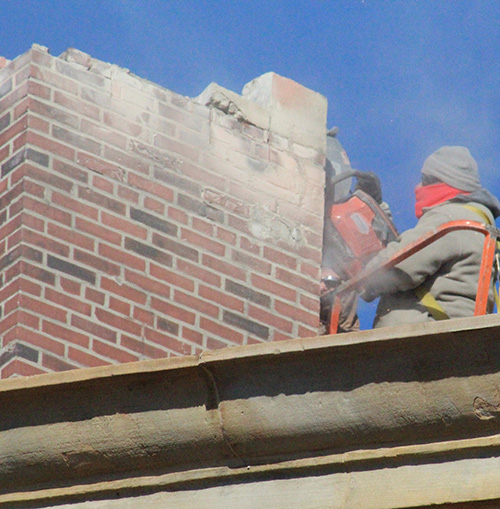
[
  {"x": 296, "y": 111},
  {"x": 276, "y": 103}
]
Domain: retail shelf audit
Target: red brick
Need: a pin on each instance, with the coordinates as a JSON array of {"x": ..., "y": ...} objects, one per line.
[
  {"x": 223, "y": 299},
  {"x": 56, "y": 365},
  {"x": 271, "y": 319},
  {"x": 273, "y": 288},
  {"x": 70, "y": 171},
  {"x": 45, "y": 243},
  {"x": 123, "y": 290},
  {"x": 280, "y": 257},
  {"x": 13, "y": 130},
  {"x": 192, "y": 302},
  {"x": 28, "y": 287},
  {"x": 128, "y": 194},
  {"x": 118, "y": 322},
  {"x": 38, "y": 124},
  {"x": 98, "y": 231},
  {"x": 19, "y": 367},
  {"x": 142, "y": 348},
  {"x": 298, "y": 314},
  {"x": 94, "y": 296},
  {"x": 36, "y": 272},
  {"x": 222, "y": 266},
  {"x": 55, "y": 114},
  {"x": 173, "y": 311},
  {"x": 154, "y": 205},
  {"x": 203, "y": 226},
  {"x": 307, "y": 332},
  {"x": 13, "y": 97},
  {"x": 194, "y": 336},
  {"x": 40, "y": 340},
  {"x": 311, "y": 270},
  {"x": 39, "y": 90},
  {"x": 307, "y": 284},
  {"x": 93, "y": 328},
  {"x": 119, "y": 306},
  {"x": 103, "y": 184},
  {"x": 126, "y": 160},
  {"x": 70, "y": 286},
  {"x": 151, "y": 186},
  {"x": 51, "y": 146},
  {"x": 28, "y": 319},
  {"x": 7, "y": 323},
  {"x": 85, "y": 359},
  {"x": 144, "y": 316},
  {"x": 167, "y": 341},
  {"x": 173, "y": 278},
  {"x": 71, "y": 236},
  {"x": 4, "y": 153},
  {"x": 21, "y": 108},
  {"x": 214, "y": 344},
  {"x": 48, "y": 211},
  {"x": 252, "y": 262},
  {"x": 119, "y": 123},
  {"x": 221, "y": 331},
  {"x": 311, "y": 303},
  {"x": 147, "y": 283},
  {"x": 42, "y": 308},
  {"x": 73, "y": 104},
  {"x": 226, "y": 236},
  {"x": 99, "y": 165},
  {"x": 111, "y": 352},
  {"x": 122, "y": 257},
  {"x": 64, "y": 300},
  {"x": 63, "y": 332},
  {"x": 97, "y": 262},
  {"x": 177, "y": 215}
]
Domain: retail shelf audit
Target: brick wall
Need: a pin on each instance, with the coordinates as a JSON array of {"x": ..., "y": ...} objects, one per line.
[{"x": 137, "y": 223}]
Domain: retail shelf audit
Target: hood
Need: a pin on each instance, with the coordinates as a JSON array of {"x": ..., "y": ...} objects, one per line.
[{"x": 483, "y": 197}]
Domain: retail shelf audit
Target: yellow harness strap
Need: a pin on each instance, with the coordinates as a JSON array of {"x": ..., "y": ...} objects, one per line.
[
  {"x": 432, "y": 305},
  {"x": 479, "y": 212}
]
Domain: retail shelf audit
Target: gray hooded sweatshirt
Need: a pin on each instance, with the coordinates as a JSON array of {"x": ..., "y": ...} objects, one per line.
[{"x": 449, "y": 267}]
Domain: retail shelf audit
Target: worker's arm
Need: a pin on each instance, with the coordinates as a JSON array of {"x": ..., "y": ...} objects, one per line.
[{"x": 414, "y": 270}]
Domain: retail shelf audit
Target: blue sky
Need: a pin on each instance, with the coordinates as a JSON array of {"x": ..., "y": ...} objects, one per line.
[{"x": 402, "y": 77}]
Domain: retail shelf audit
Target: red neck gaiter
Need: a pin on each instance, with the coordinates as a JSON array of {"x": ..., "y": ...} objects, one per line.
[{"x": 435, "y": 194}]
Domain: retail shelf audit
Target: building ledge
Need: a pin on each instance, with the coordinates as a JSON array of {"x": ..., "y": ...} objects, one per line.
[{"x": 374, "y": 397}]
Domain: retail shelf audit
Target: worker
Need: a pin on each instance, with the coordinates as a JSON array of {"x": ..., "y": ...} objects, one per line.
[{"x": 448, "y": 268}]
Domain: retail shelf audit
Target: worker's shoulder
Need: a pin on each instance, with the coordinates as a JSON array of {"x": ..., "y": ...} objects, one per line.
[{"x": 455, "y": 211}]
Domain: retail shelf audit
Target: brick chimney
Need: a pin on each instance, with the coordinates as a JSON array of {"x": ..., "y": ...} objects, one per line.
[{"x": 137, "y": 223}]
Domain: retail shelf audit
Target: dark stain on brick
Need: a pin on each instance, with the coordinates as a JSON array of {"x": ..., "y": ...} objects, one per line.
[
  {"x": 248, "y": 293},
  {"x": 175, "y": 247},
  {"x": 244, "y": 323},
  {"x": 177, "y": 181},
  {"x": 4, "y": 121},
  {"x": 17, "y": 349},
  {"x": 148, "y": 251},
  {"x": 71, "y": 269},
  {"x": 168, "y": 326},
  {"x": 37, "y": 157},
  {"x": 13, "y": 162},
  {"x": 99, "y": 199},
  {"x": 153, "y": 221},
  {"x": 200, "y": 208}
]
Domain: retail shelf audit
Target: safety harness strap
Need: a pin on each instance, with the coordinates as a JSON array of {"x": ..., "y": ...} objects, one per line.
[{"x": 432, "y": 305}]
